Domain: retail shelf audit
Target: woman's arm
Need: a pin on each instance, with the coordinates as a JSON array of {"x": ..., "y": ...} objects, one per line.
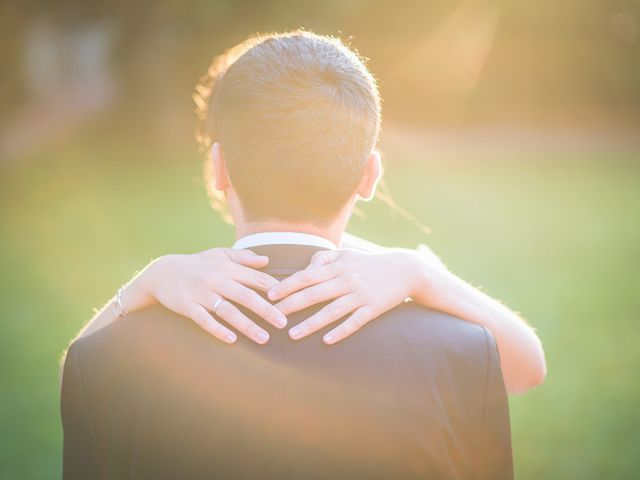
[
  {"x": 134, "y": 297},
  {"x": 191, "y": 285},
  {"x": 521, "y": 354},
  {"x": 359, "y": 281}
]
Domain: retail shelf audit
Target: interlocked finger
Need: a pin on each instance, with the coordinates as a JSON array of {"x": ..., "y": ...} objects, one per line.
[
  {"x": 203, "y": 318},
  {"x": 248, "y": 298},
  {"x": 326, "y": 315},
  {"x": 253, "y": 278},
  {"x": 312, "y": 295},
  {"x": 234, "y": 317},
  {"x": 303, "y": 279},
  {"x": 355, "y": 322}
]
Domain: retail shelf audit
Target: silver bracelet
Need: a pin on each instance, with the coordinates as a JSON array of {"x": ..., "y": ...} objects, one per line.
[{"x": 118, "y": 307}]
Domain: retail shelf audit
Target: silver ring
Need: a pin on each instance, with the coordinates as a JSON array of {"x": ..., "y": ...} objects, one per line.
[{"x": 217, "y": 305}]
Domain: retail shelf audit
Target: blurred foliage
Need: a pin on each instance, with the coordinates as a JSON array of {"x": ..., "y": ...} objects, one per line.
[
  {"x": 547, "y": 61},
  {"x": 548, "y": 224}
]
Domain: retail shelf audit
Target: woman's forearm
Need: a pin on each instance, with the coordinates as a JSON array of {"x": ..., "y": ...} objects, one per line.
[
  {"x": 521, "y": 354},
  {"x": 135, "y": 296}
]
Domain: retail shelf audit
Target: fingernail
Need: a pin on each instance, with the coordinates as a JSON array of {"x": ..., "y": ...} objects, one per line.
[
  {"x": 230, "y": 337},
  {"x": 281, "y": 321},
  {"x": 262, "y": 336},
  {"x": 328, "y": 338},
  {"x": 271, "y": 294},
  {"x": 295, "y": 332}
]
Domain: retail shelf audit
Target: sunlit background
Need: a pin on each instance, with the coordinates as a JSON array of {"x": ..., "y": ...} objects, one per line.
[{"x": 511, "y": 129}]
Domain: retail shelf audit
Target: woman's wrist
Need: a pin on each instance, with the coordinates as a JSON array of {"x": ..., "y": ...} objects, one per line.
[
  {"x": 433, "y": 285},
  {"x": 138, "y": 293},
  {"x": 436, "y": 287}
]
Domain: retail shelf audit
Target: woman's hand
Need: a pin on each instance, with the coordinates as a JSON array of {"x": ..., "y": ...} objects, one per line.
[
  {"x": 362, "y": 284},
  {"x": 192, "y": 285}
]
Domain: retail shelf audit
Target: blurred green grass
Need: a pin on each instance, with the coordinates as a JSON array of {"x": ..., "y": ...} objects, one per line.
[{"x": 556, "y": 237}]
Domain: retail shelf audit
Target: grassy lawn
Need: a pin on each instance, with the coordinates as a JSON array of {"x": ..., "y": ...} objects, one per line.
[{"x": 556, "y": 237}]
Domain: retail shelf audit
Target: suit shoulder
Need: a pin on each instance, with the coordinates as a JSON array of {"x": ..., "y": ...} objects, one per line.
[
  {"x": 423, "y": 326},
  {"x": 150, "y": 329},
  {"x": 429, "y": 321}
]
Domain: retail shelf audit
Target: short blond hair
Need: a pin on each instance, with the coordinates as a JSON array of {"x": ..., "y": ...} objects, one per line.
[{"x": 297, "y": 115}]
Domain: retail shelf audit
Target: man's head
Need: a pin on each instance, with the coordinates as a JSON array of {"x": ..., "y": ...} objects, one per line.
[{"x": 295, "y": 118}]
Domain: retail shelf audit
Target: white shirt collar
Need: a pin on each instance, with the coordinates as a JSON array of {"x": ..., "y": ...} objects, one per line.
[{"x": 283, "y": 238}]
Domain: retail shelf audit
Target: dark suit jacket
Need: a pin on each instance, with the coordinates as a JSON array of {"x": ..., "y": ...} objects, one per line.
[{"x": 414, "y": 394}]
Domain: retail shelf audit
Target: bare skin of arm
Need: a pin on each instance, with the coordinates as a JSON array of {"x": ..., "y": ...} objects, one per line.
[
  {"x": 192, "y": 285},
  {"x": 356, "y": 278}
]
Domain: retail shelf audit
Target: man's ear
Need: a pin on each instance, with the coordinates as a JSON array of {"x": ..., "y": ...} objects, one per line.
[
  {"x": 220, "y": 176},
  {"x": 370, "y": 177}
]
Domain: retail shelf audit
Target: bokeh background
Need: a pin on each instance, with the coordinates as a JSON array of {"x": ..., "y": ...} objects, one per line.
[{"x": 511, "y": 128}]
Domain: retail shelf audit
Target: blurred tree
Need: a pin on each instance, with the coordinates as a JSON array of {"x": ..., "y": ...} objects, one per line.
[{"x": 440, "y": 62}]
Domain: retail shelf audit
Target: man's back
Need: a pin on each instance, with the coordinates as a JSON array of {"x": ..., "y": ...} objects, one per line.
[{"x": 414, "y": 394}]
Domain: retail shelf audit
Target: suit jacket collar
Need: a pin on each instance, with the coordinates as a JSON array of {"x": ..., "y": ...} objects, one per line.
[
  {"x": 283, "y": 238},
  {"x": 286, "y": 259}
]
